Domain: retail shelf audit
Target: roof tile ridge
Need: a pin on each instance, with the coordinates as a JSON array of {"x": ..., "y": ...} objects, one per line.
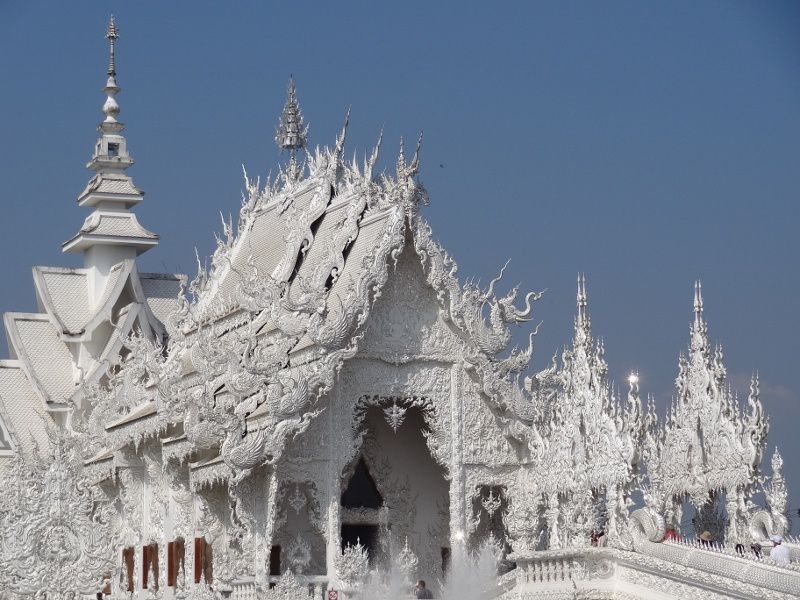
[
  {"x": 120, "y": 332},
  {"x": 61, "y": 270},
  {"x": 15, "y": 342},
  {"x": 103, "y": 311},
  {"x": 141, "y": 298},
  {"x": 162, "y": 276},
  {"x": 43, "y": 292}
]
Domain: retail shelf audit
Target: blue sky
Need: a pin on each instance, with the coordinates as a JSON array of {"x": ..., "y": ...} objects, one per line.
[{"x": 645, "y": 144}]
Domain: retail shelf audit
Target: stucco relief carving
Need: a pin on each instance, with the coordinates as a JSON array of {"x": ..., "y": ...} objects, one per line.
[{"x": 56, "y": 536}]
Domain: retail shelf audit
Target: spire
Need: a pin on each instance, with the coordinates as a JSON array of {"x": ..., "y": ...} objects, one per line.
[
  {"x": 111, "y": 36},
  {"x": 698, "y": 302},
  {"x": 110, "y": 233},
  {"x": 582, "y": 298},
  {"x": 292, "y": 132}
]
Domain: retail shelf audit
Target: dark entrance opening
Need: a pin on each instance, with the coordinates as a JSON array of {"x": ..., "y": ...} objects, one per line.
[
  {"x": 361, "y": 492},
  {"x": 366, "y": 535}
]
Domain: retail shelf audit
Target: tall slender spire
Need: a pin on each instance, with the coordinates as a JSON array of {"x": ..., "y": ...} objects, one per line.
[
  {"x": 698, "y": 302},
  {"x": 292, "y": 132},
  {"x": 582, "y": 300},
  {"x": 111, "y": 36},
  {"x": 111, "y": 109},
  {"x": 111, "y": 233}
]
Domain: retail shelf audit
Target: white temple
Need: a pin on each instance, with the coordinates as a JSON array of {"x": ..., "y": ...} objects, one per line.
[{"x": 328, "y": 397}]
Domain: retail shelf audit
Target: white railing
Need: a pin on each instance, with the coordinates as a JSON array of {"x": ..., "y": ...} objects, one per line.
[
  {"x": 720, "y": 569},
  {"x": 245, "y": 589},
  {"x": 746, "y": 552}
]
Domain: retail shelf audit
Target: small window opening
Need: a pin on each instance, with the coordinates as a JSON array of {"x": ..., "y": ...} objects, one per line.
[
  {"x": 113, "y": 149},
  {"x": 275, "y": 561}
]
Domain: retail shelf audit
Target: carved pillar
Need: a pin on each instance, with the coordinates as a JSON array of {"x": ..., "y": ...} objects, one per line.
[
  {"x": 180, "y": 526},
  {"x": 333, "y": 494},
  {"x": 130, "y": 476},
  {"x": 674, "y": 512},
  {"x": 551, "y": 518},
  {"x": 612, "y": 535},
  {"x": 458, "y": 494},
  {"x": 265, "y": 537},
  {"x": 732, "y": 535}
]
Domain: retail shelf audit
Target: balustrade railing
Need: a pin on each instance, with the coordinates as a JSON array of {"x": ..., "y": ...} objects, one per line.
[
  {"x": 744, "y": 553},
  {"x": 245, "y": 589}
]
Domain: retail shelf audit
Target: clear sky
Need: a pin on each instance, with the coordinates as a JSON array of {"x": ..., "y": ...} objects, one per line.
[{"x": 645, "y": 144}]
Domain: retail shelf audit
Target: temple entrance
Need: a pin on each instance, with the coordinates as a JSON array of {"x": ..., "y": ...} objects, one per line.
[
  {"x": 395, "y": 493},
  {"x": 362, "y": 497}
]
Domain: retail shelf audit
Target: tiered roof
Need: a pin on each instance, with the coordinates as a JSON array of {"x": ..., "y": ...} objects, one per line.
[{"x": 86, "y": 314}]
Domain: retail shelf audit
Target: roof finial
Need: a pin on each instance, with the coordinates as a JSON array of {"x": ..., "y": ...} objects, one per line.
[
  {"x": 292, "y": 132},
  {"x": 112, "y": 33},
  {"x": 581, "y": 297},
  {"x": 111, "y": 107},
  {"x": 698, "y": 301}
]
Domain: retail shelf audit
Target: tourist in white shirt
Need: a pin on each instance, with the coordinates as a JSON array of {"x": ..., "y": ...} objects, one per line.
[{"x": 780, "y": 554}]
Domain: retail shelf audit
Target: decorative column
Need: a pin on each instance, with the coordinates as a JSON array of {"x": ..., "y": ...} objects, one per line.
[
  {"x": 732, "y": 534},
  {"x": 333, "y": 494},
  {"x": 612, "y": 535},
  {"x": 551, "y": 518},
  {"x": 458, "y": 499},
  {"x": 262, "y": 557}
]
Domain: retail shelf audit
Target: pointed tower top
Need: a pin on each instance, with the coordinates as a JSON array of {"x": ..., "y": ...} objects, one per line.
[
  {"x": 112, "y": 33},
  {"x": 698, "y": 300},
  {"x": 292, "y": 132},
  {"x": 110, "y": 192},
  {"x": 582, "y": 298}
]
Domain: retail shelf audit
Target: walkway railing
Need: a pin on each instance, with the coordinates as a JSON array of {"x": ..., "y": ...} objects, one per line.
[
  {"x": 245, "y": 589},
  {"x": 669, "y": 564}
]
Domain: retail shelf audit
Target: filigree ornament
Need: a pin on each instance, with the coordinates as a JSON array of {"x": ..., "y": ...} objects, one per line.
[
  {"x": 55, "y": 531},
  {"x": 297, "y": 500},
  {"x": 289, "y": 587},
  {"x": 491, "y": 502},
  {"x": 407, "y": 562},
  {"x": 395, "y": 415},
  {"x": 298, "y": 554},
  {"x": 352, "y": 565}
]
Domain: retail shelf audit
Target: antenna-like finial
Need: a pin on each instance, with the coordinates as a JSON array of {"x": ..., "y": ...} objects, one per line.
[
  {"x": 698, "y": 301},
  {"x": 581, "y": 296},
  {"x": 292, "y": 132},
  {"x": 112, "y": 33}
]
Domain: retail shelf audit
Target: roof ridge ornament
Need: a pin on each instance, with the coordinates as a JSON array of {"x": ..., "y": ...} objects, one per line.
[
  {"x": 111, "y": 106},
  {"x": 292, "y": 132},
  {"x": 698, "y": 301},
  {"x": 112, "y": 33}
]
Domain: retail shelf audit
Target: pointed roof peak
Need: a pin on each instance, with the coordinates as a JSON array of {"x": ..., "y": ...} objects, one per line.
[
  {"x": 112, "y": 33},
  {"x": 111, "y": 192},
  {"x": 403, "y": 169},
  {"x": 582, "y": 298},
  {"x": 698, "y": 299},
  {"x": 292, "y": 132}
]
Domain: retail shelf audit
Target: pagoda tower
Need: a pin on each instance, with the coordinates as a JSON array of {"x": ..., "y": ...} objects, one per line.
[{"x": 111, "y": 233}]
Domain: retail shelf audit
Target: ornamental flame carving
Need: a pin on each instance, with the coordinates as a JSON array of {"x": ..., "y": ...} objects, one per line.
[{"x": 55, "y": 533}]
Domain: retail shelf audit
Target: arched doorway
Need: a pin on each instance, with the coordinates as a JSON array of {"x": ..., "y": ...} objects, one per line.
[{"x": 395, "y": 493}]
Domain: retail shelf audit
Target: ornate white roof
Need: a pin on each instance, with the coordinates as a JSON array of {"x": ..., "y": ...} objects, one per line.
[
  {"x": 38, "y": 346},
  {"x": 22, "y": 408},
  {"x": 110, "y": 187}
]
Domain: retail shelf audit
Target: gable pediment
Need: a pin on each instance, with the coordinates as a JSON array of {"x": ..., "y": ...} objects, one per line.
[{"x": 406, "y": 322}]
